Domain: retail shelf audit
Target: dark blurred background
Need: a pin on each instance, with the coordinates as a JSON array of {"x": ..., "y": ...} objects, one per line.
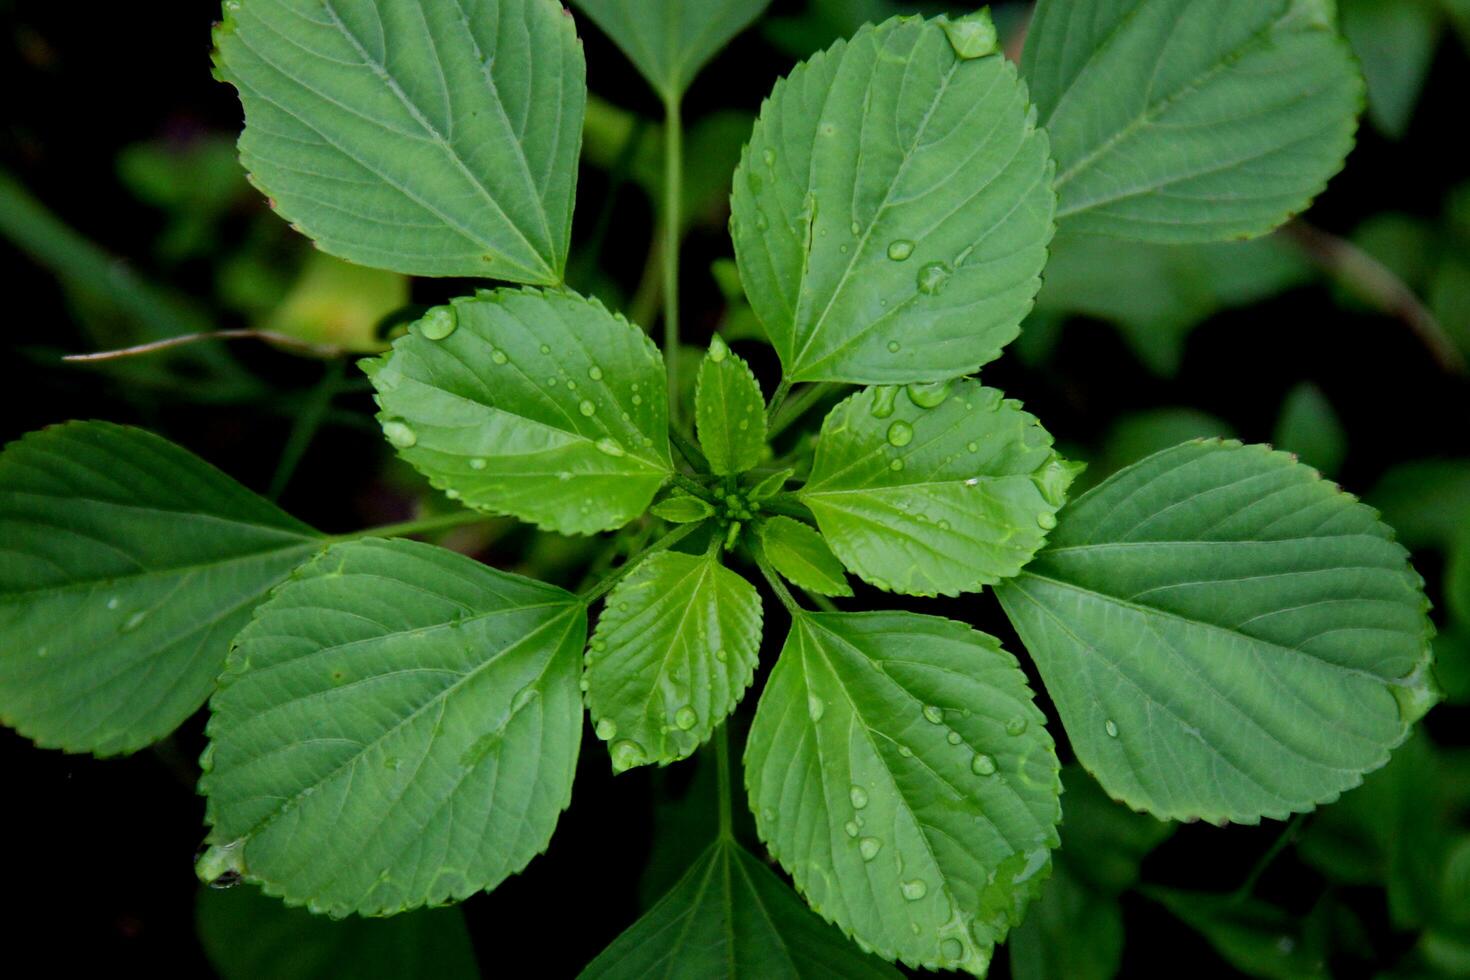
[{"x": 125, "y": 218}]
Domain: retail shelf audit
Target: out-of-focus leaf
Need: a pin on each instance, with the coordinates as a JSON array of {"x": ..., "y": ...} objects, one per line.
[
  {"x": 1394, "y": 41},
  {"x": 1310, "y": 428},
  {"x": 1259, "y": 939},
  {"x": 1452, "y": 662},
  {"x": 1426, "y": 502},
  {"x": 339, "y": 304}
]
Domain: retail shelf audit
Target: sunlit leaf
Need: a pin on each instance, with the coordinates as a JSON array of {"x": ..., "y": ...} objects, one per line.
[
  {"x": 543, "y": 406},
  {"x": 1226, "y": 635},
  {"x": 892, "y": 209},
  {"x": 936, "y": 488},
  {"x": 674, "y": 651},
  {"x": 437, "y": 138},
  {"x": 729, "y": 411},
  {"x": 1176, "y": 121},
  {"x": 398, "y": 726},
  {"x": 898, "y": 768},
  {"x": 128, "y": 566},
  {"x": 799, "y": 553}
]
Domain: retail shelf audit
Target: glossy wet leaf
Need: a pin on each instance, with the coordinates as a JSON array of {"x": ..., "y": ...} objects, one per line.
[
  {"x": 800, "y": 553},
  {"x": 1226, "y": 635},
  {"x": 730, "y": 918},
  {"x": 1175, "y": 121},
  {"x": 398, "y": 727},
  {"x": 674, "y": 651},
  {"x": 935, "y": 489},
  {"x": 898, "y": 769},
  {"x": 437, "y": 138},
  {"x": 543, "y": 406},
  {"x": 729, "y": 411},
  {"x": 892, "y": 209},
  {"x": 128, "y": 566},
  {"x": 671, "y": 40},
  {"x": 247, "y": 936},
  {"x": 682, "y": 508}
]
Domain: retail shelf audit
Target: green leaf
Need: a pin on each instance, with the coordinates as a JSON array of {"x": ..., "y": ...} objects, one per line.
[
  {"x": 543, "y": 406},
  {"x": 730, "y": 918},
  {"x": 892, "y": 209},
  {"x": 682, "y": 508},
  {"x": 940, "y": 490},
  {"x": 671, "y": 40},
  {"x": 248, "y": 936},
  {"x": 398, "y": 726},
  {"x": 799, "y": 553},
  {"x": 1394, "y": 44},
  {"x": 1175, "y": 121},
  {"x": 898, "y": 768},
  {"x": 128, "y": 565},
  {"x": 1309, "y": 428},
  {"x": 1259, "y": 939},
  {"x": 730, "y": 412},
  {"x": 674, "y": 651},
  {"x": 1426, "y": 501},
  {"x": 436, "y": 138},
  {"x": 1225, "y": 634}
]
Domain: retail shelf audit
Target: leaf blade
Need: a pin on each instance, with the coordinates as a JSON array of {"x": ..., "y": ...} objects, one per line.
[
  {"x": 414, "y": 137},
  {"x": 1194, "y": 584},
  {"x": 729, "y": 411},
  {"x": 393, "y": 670},
  {"x": 129, "y": 565},
  {"x": 801, "y": 554}
]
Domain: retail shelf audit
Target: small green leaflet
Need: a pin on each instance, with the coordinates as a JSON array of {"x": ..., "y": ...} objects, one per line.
[
  {"x": 892, "y": 209},
  {"x": 935, "y": 489},
  {"x": 674, "y": 651},
  {"x": 398, "y": 726},
  {"x": 543, "y": 406},
  {"x": 248, "y": 936},
  {"x": 730, "y": 918},
  {"x": 129, "y": 564},
  {"x": 437, "y": 138},
  {"x": 799, "y": 553},
  {"x": 1310, "y": 429},
  {"x": 898, "y": 768},
  {"x": 1176, "y": 121},
  {"x": 671, "y": 40},
  {"x": 682, "y": 508},
  {"x": 1226, "y": 635},
  {"x": 730, "y": 412}
]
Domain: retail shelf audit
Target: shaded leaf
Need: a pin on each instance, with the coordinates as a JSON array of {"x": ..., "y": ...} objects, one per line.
[
  {"x": 1226, "y": 635},
  {"x": 898, "y": 768},
  {"x": 731, "y": 918},
  {"x": 436, "y": 138},
  {"x": 128, "y": 566},
  {"x": 1309, "y": 428},
  {"x": 1259, "y": 939},
  {"x": 674, "y": 651},
  {"x": 892, "y": 209},
  {"x": 398, "y": 726},
  {"x": 936, "y": 489},
  {"x": 543, "y": 406},
  {"x": 800, "y": 553},
  {"x": 1394, "y": 44},
  {"x": 1174, "y": 121},
  {"x": 1426, "y": 502}
]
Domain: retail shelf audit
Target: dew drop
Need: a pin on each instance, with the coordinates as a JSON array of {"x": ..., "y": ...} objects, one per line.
[
  {"x": 112, "y": 603},
  {"x": 929, "y": 395},
  {"x": 884, "y": 398},
  {"x": 905, "y": 751},
  {"x": 686, "y": 718},
  {"x": 815, "y": 707},
  {"x": 952, "y": 950},
  {"x": 1016, "y": 726},
  {"x": 595, "y": 373},
  {"x": 498, "y": 356},
  {"x": 858, "y": 796},
  {"x": 896, "y": 465},
  {"x": 954, "y": 738},
  {"x": 609, "y": 446},
  {"x": 900, "y": 433},
  {"x": 769, "y": 155},
  {"x": 900, "y": 249},
  {"x": 627, "y": 754},
  {"x": 973, "y": 447},
  {"x": 856, "y": 229},
  {"x": 971, "y": 36},
  {"x": 869, "y": 847},
  {"x": 546, "y": 348},
  {"x": 982, "y": 765},
  {"x": 399, "y": 434},
  {"x": 893, "y": 346},
  {"x": 718, "y": 349},
  {"x": 607, "y": 729},
  {"x": 478, "y": 463},
  {"x": 1046, "y": 520},
  {"x": 932, "y": 277},
  {"x": 439, "y": 323},
  {"x": 587, "y": 408},
  {"x": 721, "y": 655},
  {"x": 1111, "y": 728},
  {"x": 934, "y": 714},
  {"x": 914, "y": 890},
  {"x": 134, "y": 621}
]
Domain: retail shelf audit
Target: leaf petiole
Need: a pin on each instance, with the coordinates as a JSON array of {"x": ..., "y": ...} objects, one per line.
[{"x": 601, "y": 588}]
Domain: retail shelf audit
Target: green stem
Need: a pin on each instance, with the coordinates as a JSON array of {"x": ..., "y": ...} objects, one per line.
[
  {"x": 304, "y": 429},
  {"x": 810, "y": 396},
  {"x": 820, "y": 601},
  {"x": 422, "y": 525},
  {"x": 594, "y": 592},
  {"x": 1272, "y": 853},
  {"x": 722, "y": 775},
  {"x": 696, "y": 488},
  {"x": 673, "y": 195},
  {"x": 688, "y": 450},
  {"x": 778, "y": 398}
]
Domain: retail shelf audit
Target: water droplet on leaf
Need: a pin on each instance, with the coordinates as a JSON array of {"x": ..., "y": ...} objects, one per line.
[
  {"x": 914, "y": 890},
  {"x": 858, "y": 796},
  {"x": 869, "y": 847},
  {"x": 929, "y": 395},
  {"x": 1111, "y": 728},
  {"x": 900, "y": 433},
  {"x": 399, "y": 434},
  {"x": 971, "y": 36},
  {"x": 439, "y": 323},
  {"x": 934, "y": 714},
  {"x": 686, "y": 718},
  {"x": 932, "y": 277},
  {"x": 900, "y": 249},
  {"x": 587, "y": 408},
  {"x": 982, "y": 765}
]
